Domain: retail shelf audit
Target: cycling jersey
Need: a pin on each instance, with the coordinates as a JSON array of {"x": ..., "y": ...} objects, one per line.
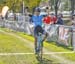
[{"x": 37, "y": 20}]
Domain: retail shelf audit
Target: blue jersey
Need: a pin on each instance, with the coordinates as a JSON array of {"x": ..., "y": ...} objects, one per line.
[{"x": 37, "y": 20}]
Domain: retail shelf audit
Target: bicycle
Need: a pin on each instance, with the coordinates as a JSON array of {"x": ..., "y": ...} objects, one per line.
[{"x": 39, "y": 47}]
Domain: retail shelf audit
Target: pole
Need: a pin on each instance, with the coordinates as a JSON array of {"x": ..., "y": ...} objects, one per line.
[
  {"x": 72, "y": 6},
  {"x": 23, "y": 8},
  {"x": 56, "y": 7}
]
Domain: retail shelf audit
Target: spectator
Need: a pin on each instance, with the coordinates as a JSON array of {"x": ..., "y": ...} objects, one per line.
[
  {"x": 53, "y": 18},
  {"x": 73, "y": 19},
  {"x": 49, "y": 20},
  {"x": 60, "y": 20}
]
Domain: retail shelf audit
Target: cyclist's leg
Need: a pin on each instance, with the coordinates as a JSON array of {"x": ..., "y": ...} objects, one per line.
[
  {"x": 46, "y": 34},
  {"x": 35, "y": 42},
  {"x": 37, "y": 45}
]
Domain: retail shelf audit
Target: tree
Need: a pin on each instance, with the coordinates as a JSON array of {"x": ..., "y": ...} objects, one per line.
[
  {"x": 51, "y": 3},
  {"x": 15, "y": 5},
  {"x": 72, "y": 6},
  {"x": 32, "y": 3},
  {"x": 56, "y": 7}
]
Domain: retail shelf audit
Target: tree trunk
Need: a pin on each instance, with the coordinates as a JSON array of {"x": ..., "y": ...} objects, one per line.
[
  {"x": 72, "y": 6},
  {"x": 56, "y": 7}
]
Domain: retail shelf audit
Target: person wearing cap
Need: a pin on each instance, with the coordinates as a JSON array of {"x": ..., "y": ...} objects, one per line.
[
  {"x": 49, "y": 20},
  {"x": 73, "y": 19},
  {"x": 37, "y": 20},
  {"x": 60, "y": 21}
]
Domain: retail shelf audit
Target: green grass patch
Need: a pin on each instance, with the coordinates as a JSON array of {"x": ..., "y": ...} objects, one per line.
[
  {"x": 10, "y": 43},
  {"x": 51, "y": 46},
  {"x": 70, "y": 56},
  {"x": 27, "y": 59}
]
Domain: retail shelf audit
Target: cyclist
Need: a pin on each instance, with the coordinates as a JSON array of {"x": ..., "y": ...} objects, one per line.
[{"x": 37, "y": 21}]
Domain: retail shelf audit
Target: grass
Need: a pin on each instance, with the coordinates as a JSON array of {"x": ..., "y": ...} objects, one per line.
[
  {"x": 26, "y": 59},
  {"x": 11, "y": 44},
  {"x": 23, "y": 59},
  {"x": 70, "y": 56},
  {"x": 51, "y": 46}
]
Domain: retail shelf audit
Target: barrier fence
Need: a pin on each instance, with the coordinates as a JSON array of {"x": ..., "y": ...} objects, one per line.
[{"x": 63, "y": 35}]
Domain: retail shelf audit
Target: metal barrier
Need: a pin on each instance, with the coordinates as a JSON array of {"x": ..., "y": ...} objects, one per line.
[
  {"x": 60, "y": 34},
  {"x": 64, "y": 35},
  {"x": 73, "y": 37}
]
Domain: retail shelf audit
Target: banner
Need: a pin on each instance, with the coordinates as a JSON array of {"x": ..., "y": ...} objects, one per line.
[
  {"x": 63, "y": 35},
  {"x": 4, "y": 11}
]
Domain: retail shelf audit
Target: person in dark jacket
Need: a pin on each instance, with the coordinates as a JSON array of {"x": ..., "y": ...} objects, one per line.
[
  {"x": 60, "y": 20},
  {"x": 73, "y": 19}
]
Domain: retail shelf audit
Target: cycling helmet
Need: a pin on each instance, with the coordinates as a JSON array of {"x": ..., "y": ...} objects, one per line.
[{"x": 37, "y": 9}]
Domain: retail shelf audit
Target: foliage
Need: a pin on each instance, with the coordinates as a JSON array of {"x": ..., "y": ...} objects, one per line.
[
  {"x": 16, "y": 5},
  {"x": 32, "y": 3}
]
